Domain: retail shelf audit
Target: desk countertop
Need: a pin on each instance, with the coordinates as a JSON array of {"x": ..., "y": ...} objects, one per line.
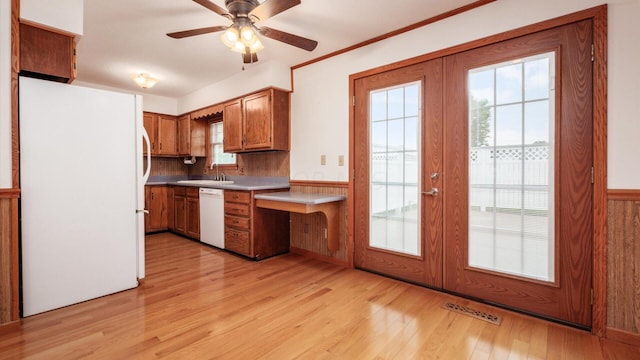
[{"x": 300, "y": 198}]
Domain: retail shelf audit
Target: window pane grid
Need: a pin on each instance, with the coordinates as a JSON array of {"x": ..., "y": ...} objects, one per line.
[
  {"x": 394, "y": 192},
  {"x": 511, "y": 138},
  {"x": 218, "y": 156}
]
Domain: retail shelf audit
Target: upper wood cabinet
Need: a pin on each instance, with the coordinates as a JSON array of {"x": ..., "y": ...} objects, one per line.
[
  {"x": 191, "y": 136},
  {"x": 232, "y": 126},
  {"x": 150, "y": 122},
  {"x": 257, "y": 122},
  {"x": 167, "y": 135},
  {"x": 46, "y": 54},
  {"x": 163, "y": 133}
]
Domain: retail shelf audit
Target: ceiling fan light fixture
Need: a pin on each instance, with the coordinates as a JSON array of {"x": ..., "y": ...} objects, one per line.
[
  {"x": 247, "y": 35},
  {"x": 230, "y": 37},
  {"x": 241, "y": 40},
  {"x": 144, "y": 80}
]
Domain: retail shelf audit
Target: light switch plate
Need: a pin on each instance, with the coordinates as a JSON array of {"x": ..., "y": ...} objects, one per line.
[
  {"x": 323, "y": 159},
  {"x": 340, "y": 160}
]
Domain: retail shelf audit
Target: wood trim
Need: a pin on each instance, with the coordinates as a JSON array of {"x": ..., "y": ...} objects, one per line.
[
  {"x": 9, "y": 281},
  {"x": 15, "y": 69},
  {"x": 9, "y": 193},
  {"x": 600, "y": 206},
  {"x": 351, "y": 202},
  {"x": 316, "y": 256},
  {"x": 623, "y": 336},
  {"x": 623, "y": 194},
  {"x": 207, "y": 111},
  {"x": 9, "y": 327},
  {"x": 395, "y": 33},
  {"x": 315, "y": 183},
  {"x": 50, "y": 29},
  {"x": 525, "y": 30}
]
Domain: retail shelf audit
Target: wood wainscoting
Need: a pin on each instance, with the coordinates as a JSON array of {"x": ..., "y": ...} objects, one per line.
[
  {"x": 9, "y": 285},
  {"x": 623, "y": 259},
  {"x": 308, "y": 230}
]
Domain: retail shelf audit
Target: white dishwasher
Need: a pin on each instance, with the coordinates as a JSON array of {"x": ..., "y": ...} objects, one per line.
[{"x": 212, "y": 217}]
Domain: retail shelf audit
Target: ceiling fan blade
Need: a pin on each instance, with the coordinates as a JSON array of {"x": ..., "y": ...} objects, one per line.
[
  {"x": 193, "y": 32},
  {"x": 215, "y": 8},
  {"x": 270, "y": 8},
  {"x": 295, "y": 40}
]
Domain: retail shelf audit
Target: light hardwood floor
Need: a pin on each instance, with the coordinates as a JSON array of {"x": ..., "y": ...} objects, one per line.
[{"x": 199, "y": 303}]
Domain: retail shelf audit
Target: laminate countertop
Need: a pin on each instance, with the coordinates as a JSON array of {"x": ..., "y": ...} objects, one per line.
[
  {"x": 300, "y": 198},
  {"x": 239, "y": 182}
]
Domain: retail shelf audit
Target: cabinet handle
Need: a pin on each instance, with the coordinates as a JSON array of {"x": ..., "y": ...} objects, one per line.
[
  {"x": 160, "y": 146},
  {"x": 152, "y": 196}
]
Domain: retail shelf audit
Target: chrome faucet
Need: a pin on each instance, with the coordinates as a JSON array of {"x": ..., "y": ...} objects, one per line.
[{"x": 217, "y": 170}]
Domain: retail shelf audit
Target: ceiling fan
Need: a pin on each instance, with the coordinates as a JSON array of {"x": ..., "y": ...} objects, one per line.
[{"x": 241, "y": 36}]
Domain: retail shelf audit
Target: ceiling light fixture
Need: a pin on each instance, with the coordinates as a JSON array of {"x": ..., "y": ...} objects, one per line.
[
  {"x": 144, "y": 80},
  {"x": 242, "y": 38}
]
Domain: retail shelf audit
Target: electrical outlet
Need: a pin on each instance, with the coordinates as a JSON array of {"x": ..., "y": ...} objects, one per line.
[
  {"x": 323, "y": 159},
  {"x": 340, "y": 160}
]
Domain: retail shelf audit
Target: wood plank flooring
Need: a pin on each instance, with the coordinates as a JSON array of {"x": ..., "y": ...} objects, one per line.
[{"x": 201, "y": 303}]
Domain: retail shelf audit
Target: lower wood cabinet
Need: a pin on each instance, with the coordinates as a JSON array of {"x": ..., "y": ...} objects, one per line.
[
  {"x": 186, "y": 211},
  {"x": 156, "y": 202},
  {"x": 251, "y": 231}
]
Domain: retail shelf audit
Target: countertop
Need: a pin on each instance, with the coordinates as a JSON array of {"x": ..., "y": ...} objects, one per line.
[
  {"x": 239, "y": 182},
  {"x": 300, "y": 198}
]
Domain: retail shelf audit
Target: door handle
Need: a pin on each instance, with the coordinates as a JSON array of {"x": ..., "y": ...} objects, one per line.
[{"x": 432, "y": 192}]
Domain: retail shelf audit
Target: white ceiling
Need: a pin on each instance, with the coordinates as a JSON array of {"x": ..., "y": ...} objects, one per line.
[{"x": 124, "y": 37}]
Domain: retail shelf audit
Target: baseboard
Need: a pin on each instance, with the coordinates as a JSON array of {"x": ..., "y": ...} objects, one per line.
[
  {"x": 623, "y": 336},
  {"x": 9, "y": 327},
  {"x": 316, "y": 256}
]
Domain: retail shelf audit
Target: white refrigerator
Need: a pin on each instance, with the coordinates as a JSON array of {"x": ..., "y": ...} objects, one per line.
[{"x": 82, "y": 193}]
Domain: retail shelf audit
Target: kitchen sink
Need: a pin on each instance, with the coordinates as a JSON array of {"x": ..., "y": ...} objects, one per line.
[{"x": 206, "y": 182}]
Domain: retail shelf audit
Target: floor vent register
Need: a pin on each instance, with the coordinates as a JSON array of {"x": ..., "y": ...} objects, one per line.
[{"x": 494, "y": 319}]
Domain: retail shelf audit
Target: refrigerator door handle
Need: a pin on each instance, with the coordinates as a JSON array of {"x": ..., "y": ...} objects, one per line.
[{"x": 147, "y": 171}]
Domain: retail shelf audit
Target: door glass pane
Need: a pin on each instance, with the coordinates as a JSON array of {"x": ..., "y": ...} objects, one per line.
[
  {"x": 511, "y": 169},
  {"x": 394, "y": 148}
]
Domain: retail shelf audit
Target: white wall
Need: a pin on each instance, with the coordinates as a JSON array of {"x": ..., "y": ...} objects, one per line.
[
  {"x": 255, "y": 77},
  {"x": 151, "y": 103},
  {"x": 5, "y": 94},
  {"x": 320, "y": 103},
  {"x": 66, "y": 15},
  {"x": 624, "y": 94}
]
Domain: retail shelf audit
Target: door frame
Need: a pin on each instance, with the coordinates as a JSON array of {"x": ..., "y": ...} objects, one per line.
[{"x": 599, "y": 16}]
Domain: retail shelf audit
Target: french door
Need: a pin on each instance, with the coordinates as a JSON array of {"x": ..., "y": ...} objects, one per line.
[{"x": 473, "y": 173}]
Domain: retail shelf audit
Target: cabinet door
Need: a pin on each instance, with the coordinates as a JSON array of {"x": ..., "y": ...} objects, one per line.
[
  {"x": 158, "y": 219},
  {"x": 147, "y": 206},
  {"x": 150, "y": 122},
  {"x": 180, "y": 214},
  {"x": 171, "y": 213},
  {"x": 46, "y": 54},
  {"x": 167, "y": 135},
  {"x": 232, "y": 126},
  {"x": 193, "y": 218},
  {"x": 184, "y": 135},
  {"x": 257, "y": 121}
]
